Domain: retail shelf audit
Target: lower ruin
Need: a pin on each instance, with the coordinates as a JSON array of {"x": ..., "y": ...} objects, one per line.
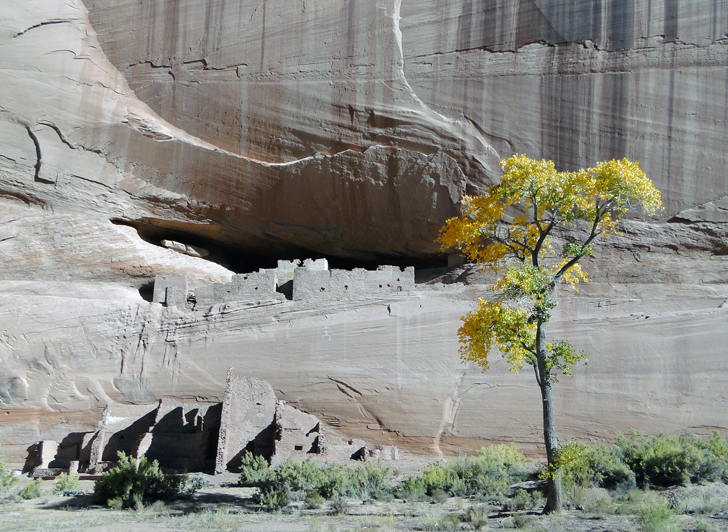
[{"x": 197, "y": 436}]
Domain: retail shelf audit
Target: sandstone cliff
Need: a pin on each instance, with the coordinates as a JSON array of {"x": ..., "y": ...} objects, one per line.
[{"x": 281, "y": 129}]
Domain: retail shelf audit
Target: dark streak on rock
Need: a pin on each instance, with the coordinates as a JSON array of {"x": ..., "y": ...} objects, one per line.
[
  {"x": 40, "y": 25},
  {"x": 37, "y": 153}
]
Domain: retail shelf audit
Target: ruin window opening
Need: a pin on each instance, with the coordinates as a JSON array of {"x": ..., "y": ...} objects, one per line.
[{"x": 146, "y": 292}]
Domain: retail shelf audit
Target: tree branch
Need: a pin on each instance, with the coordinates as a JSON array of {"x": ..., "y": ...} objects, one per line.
[
  {"x": 594, "y": 232},
  {"x": 542, "y": 238}
]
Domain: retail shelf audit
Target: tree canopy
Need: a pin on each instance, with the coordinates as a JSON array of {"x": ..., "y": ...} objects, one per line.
[{"x": 511, "y": 227}]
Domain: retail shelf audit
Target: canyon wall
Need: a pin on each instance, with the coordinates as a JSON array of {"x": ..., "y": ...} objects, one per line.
[{"x": 349, "y": 129}]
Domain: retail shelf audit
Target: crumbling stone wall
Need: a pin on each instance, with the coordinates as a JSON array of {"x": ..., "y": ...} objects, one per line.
[
  {"x": 286, "y": 268},
  {"x": 170, "y": 290},
  {"x": 202, "y": 436},
  {"x": 246, "y": 423},
  {"x": 333, "y": 285},
  {"x": 253, "y": 287},
  {"x": 309, "y": 280},
  {"x": 299, "y": 436},
  {"x": 183, "y": 436}
]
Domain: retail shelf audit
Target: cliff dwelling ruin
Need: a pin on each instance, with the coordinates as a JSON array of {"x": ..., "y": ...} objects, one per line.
[{"x": 198, "y": 436}]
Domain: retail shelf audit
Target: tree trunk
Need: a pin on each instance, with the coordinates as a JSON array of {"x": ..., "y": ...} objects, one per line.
[{"x": 554, "y": 496}]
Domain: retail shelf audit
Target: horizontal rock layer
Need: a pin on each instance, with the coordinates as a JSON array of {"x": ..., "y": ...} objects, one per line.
[{"x": 286, "y": 129}]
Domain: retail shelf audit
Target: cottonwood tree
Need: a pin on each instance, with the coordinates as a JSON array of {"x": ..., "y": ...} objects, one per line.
[{"x": 510, "y": 229}]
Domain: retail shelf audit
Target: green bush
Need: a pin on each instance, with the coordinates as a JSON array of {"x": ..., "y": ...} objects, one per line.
[
  {"x": 439, "y": 496},
  {"x": 32, "y": 490},
  {"x": 7, "y": 476},
  {"x": 66, "y": 485},
  {"x": 339, "y": 506},
  {"x": 597, "y": 465},
  {"x": 133, "y": 483},
  {"x": 477, "y": 516},
  {"x": 608, "y": 470},
  {"x": 273, "y": 500},
  {"x": 521, "y": 500},
  {"x": 371, "y": 479},
  {"x": 411, "y": 489},
  {"x": 489, "y": 473},
  {"x": 314, "y": 500},
  {"x": 521, "y": 521},
  {"x": 654, "y": 516},
  {"x": 195, "y": 482},
  {"x": 254, "y": 470},
  {"x": 662, "y": 460},
  {"x": 505, "y": 456},
  {"x": 637, "y": 460},
  {"x": 300, "y": 480}
]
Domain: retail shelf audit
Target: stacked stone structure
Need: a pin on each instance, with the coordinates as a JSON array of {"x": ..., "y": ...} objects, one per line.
[
  {"x": 309, "y": 280},
  {"x": 200, "y": 436}
]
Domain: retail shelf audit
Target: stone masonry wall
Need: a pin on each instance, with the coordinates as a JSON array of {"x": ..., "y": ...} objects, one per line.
[
  {"x": 334, "y": 285},
  {"x": 255, "y": 286},
  {"x": 311, "y": 280}
]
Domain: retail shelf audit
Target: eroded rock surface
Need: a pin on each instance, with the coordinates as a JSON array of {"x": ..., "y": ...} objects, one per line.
[{"x": 289, "y": 129}]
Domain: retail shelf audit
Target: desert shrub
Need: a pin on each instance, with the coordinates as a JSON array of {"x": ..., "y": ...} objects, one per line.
[
  {"x": 339, "y": 506},
  {"x": 66, "y": 485},
  {"x": 582, "y": 466},
  {"x": 314, "y": 500},
  {"x": 273, "y": 500},
  {"x": 505, "y": 456},
  {"x": 299, "y": 480},
  {"x": 7, "y": 477},
  {"x": 292, "y": 476},
  {"x": 196, "y": 482},
  {"x": 594, "y": 500},
  {"x": 448, "y": 522},
  {"x": 702, "y": 526},
  {"x": 491, "y": 472},
  {"x": 411, "y": 489},
  {"x": 608, "y": 469},
  {"x": 654, "y": 516},
  {"x": 439, "y": 496},
  {"x": 115, "y": 503},
  {"x": 477, "y": 516},
  {"x": 663, "y": 460},
  {"x": 136, "y": 482},
  {"x": 521, "y": 500},
  {"x": 702, "y": 500},
  {"x": 254, "y": 470},
  {"x": 32, "y": 490},
  {"x": 383, "y": 495},
  {"x": 521, "y": 521},
  {"x": 441, "y": 477},
  {"x": 370, "y": 479}
]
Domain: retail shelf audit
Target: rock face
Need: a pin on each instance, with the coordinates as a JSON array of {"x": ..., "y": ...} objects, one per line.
[
  {"x": 288, "y": 129},
  {"x": 579, "y": 82}
]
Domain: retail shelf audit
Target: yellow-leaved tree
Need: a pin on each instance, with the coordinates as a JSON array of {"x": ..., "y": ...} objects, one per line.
[{"x": 510, "y": 229}]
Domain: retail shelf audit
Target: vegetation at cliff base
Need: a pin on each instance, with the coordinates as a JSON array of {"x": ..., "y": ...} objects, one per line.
[{"x": 134, "y": 483}]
